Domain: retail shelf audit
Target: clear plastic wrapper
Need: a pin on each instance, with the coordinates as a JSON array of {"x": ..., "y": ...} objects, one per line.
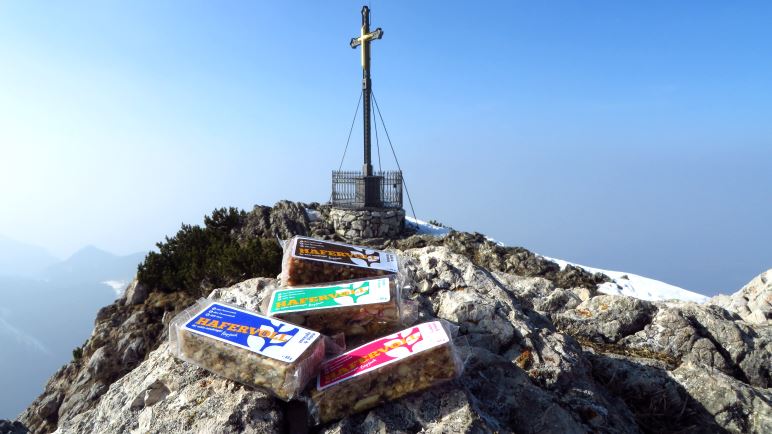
[
  {"x": 364, "y": 307},
  {"x": 244, "y": 346},
  {"x": 387, "y": 368},
  {"x": 308, "y": 261}
]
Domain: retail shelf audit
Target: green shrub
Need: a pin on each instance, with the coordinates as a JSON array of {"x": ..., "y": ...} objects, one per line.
[
  {"x": 198, "y": 259},
  {"x": 77, "y": 353}
]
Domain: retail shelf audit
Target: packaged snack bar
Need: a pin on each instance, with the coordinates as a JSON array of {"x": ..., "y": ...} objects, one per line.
[
  {"x": 246, "y": 347},
  {"x": 384, "y": 369},
  {"x": 363, "y": 307},
  {"x": 308, "y": 261}
]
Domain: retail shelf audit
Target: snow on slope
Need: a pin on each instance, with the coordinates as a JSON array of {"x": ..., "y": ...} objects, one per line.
[
  {"x": 424, "y": 228},
  {"x": 117, "y": 285},
  {"x": 631, "y": 285}
]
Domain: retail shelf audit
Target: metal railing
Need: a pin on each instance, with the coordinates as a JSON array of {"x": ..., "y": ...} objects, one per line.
[{"x": 350, "y": 189}]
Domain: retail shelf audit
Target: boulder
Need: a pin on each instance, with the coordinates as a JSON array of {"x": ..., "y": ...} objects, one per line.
[
  {"x": 735, "y": 406},
  {"x": 12, "y": 427},
  {"x": 170, "y": 396},
  {"x": 753, "y": 302},
  {"x": 707, "y": 335},
  {"x": 136, "y": 293},
  {"x": 606, "y": 318}
]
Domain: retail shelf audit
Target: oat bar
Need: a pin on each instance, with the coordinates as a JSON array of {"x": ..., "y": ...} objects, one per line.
[
  {"x": 384, "y": 369},
  {"x": 247, "y": 347},
  {"x": 308, "y": 261},
  {"x": 365, "y": 307}
]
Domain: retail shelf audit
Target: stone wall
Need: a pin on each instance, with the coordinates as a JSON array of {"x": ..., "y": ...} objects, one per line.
[{"x": 380, "y": 223}]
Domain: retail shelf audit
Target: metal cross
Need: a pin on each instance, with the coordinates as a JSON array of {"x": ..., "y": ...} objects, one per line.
[{"x": 364, "y": 39}]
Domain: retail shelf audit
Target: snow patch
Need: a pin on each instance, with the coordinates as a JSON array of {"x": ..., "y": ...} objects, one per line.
[
  {"x": 117, "y": 285},
  {"x": 633, "y": 285},
  {"x": 423, "y": 228},
  {"x": 628, "y": 284}
]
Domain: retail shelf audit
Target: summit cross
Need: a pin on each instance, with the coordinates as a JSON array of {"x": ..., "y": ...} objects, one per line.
[{"x": 364, "y": 39}]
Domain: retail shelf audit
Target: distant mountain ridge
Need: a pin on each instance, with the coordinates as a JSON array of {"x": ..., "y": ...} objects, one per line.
[
  {"x": 95, "y": 263},
  {"x": 47, "y": 306},
  {"x": 22, "y": 259}
]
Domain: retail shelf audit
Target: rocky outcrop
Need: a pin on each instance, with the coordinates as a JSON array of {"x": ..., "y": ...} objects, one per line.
[
  {"x": 708, "y": 336},
  {"x": 283, "y": 220},
  {"x": 543, "y": 351},
  {"x": 735, "y": 406},
  {"x": 522, "y": 373},
  {"x": 136, "y": 293},
  {"x": 753, "y": 302},
  {"x": 169, "y": 396},
  {"x": 123, "y": 334},
  {"x": 12, "y": 427},
  {"x": 606, "y": 318}
]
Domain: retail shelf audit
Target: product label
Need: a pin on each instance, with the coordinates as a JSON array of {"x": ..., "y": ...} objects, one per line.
[
  {"x": 265, "y": 336},
  {"x": 344, "y": 254},
  {"x": 381, "y": 352},
  {"x": 325, "y": 297}
]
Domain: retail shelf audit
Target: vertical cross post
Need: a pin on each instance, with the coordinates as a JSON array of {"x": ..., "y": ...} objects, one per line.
[{"x": 364, "y": 40}]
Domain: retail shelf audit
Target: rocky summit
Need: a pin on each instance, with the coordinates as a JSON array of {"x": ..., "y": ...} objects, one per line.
[{"x": 544, "y": 352}]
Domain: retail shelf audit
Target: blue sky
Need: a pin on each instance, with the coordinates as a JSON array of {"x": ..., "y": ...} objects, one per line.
[{"x": 623, "y": 135}]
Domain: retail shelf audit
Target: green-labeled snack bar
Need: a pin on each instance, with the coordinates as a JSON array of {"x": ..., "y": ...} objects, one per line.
[{"x": 363, "y": 307}]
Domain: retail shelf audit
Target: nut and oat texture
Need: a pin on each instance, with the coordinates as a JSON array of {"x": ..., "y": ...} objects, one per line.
[
  {"x": 246, "y": 347},
  {"x": 385, "y": 369},
  {"x": 364, "y": 307},
  {"x": 307, "y": 261}
]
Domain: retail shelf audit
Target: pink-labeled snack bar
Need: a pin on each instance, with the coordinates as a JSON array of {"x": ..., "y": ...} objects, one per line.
[{"x": 384, "y": 369}]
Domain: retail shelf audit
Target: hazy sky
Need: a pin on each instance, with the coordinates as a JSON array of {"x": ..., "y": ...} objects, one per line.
[{"x": 623, "y": 135}]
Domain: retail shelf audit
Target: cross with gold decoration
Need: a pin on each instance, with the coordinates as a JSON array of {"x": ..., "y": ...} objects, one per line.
[{"x": 364, "y": 39}]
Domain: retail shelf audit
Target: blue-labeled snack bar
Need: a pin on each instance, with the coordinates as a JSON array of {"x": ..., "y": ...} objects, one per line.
[{"x": 247, "y": 347}]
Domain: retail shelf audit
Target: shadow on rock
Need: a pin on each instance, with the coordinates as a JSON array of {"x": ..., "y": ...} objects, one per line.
[{"x": 658, "y": 402}]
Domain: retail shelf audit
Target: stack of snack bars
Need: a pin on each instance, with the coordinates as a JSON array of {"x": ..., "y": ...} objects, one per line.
[{"x": 327, "y": 288}]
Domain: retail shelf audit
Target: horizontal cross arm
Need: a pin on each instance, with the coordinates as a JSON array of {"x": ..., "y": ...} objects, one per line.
[{"x": 375, "y": 34}]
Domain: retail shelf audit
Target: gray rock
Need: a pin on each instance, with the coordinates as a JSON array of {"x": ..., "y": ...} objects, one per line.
[
  {"x": 288, "y": 219},
  {"x": 753, "y": 302},
  {"x": 136, "y": 293},
  {"x": 606, "y": 318},
  {"x": 483, "y": 321},
  {"x": 132, "y": 350},
  {"x": 658, "y": 401},
  {"x": 99, "y": 363},
  {"x": 284, "y": 220},
  {"x": 12, "y": 427},
  {"x": 707, "y": 335},
  {"x": 155, "y": 392},
  {"x": 248, "y": 293},
  {"x": 166, "y": 395},
  {"x": 96, "y": 391},
  {"x": 49, "y": 406},
  {"x": 736, "y": 407},
  {"x": 446, "y": 409}
]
